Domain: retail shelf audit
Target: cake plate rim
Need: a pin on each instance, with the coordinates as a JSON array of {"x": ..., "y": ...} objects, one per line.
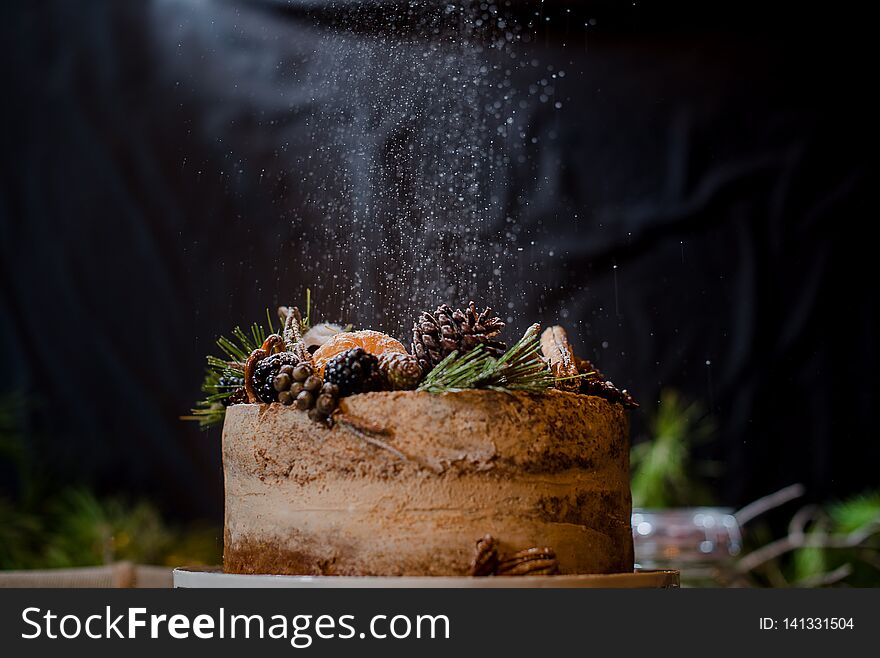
[{"x": 214, "y": 577}]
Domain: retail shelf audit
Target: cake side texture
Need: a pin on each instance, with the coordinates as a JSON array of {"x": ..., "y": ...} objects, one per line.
[{"x": 408, "y": 481}]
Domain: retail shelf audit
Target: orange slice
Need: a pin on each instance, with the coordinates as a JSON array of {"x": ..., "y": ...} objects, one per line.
[{"x": 374, "y": 342}]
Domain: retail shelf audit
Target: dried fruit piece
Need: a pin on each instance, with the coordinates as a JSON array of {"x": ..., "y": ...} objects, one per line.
[
  {"x": 373, "y": 342},
  {"x": 312, "y": 384},
  {"x": 282, "y": 382},
  {"x": 325, "y": 404},
  {"x": 273, "y": 343}
]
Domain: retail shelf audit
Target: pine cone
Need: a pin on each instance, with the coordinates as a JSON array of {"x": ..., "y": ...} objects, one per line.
[
  {"x": 596, "y": 384},
  {"x": 438, "y": 334},
  {"x": 400, "y": 372},
  {"x": 606, "y": 389},
  {"x": 238, "y": 396},
  {"x": 485, "y": 557}
]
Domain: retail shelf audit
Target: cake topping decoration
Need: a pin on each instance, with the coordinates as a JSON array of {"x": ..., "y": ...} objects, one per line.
[
  {"x": 293, "y": 327},
  {"x": 270, "y": 345},
  {"x": 593, "y": 382},
  {"x": 271, "y": 376},
  {"x": 233, "y": 388},
  {"x": 520, "y": 368},
  {"x": 529, "y": 562},
  {"x": 485, "y": 560},
  {"x": 606, "y": 389},
  {"x": 439, "y": 334},
  {"x": 319, "y": 334},
  {"x": 310, "y": 367},
  {"x": 557, "y": 350},
  {"x": 400, "y": 372},
  {"x": 354, "y": 371},
  {"x": 297, "y": 384},
  {"x": 372, "y": 342}
]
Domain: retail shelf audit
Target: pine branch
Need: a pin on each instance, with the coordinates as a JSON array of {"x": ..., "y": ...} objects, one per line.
[
  {"x": 207, "y": 416},
  {"x": 307, "y": 320},
  {"x": 235, "y": 368},
  {"x": 796, "y": 540},
  {"x": 519, "y": 369},
  {"x": 211, "y": 410},
  {"x": 767, "y": 503}
]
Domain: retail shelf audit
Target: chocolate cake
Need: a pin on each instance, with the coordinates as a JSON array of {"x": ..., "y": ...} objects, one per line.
[
  {"x": 345, "y": 453},
  {"x": 412, "y": 483}
]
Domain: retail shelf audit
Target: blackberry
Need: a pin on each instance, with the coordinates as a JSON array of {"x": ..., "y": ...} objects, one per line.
[
  {"x": 353, "y": 371},
  {"x": 238, "y": 396},
  {"x": 266, "y": 372},
  {"x": 229, "y": 382},
  {"x": 232, "y": 386}
]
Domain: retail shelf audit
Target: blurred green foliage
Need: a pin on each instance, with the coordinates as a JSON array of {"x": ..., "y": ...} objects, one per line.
[
  {"x": 72, "y": 527},
  {"x": 663, "y": 472},
  {"x": 836, "y": 543},
  {"x": 833, "y": 544}
]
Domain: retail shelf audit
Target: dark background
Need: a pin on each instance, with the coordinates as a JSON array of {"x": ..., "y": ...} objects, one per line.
[{"x": 704, "y": 193}]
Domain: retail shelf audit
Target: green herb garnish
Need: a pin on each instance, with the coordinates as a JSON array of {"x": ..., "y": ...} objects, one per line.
[{"x": 521, "y": 368}]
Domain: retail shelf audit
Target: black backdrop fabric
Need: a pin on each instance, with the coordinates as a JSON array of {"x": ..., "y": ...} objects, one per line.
[{"x": 718, "y": 170}]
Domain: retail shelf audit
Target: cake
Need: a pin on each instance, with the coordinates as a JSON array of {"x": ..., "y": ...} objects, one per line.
[
  {"x": 346, "y": 454},
  {"x": 549, "y": 470}
]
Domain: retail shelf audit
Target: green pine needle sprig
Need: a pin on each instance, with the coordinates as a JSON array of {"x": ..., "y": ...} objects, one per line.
[
  {"x": 236, "y": 349},
  {"x": 520, "y": 368}
]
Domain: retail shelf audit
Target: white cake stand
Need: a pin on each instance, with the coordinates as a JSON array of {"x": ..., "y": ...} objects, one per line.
[{"x": 195, "y": 577}]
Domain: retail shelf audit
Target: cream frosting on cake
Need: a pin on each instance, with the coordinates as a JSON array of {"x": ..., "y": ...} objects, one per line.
[{"x": 406, "y": 482}]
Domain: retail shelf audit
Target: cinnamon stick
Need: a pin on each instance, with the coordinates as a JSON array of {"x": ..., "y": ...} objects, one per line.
[{"x": 556, "y": 349}]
